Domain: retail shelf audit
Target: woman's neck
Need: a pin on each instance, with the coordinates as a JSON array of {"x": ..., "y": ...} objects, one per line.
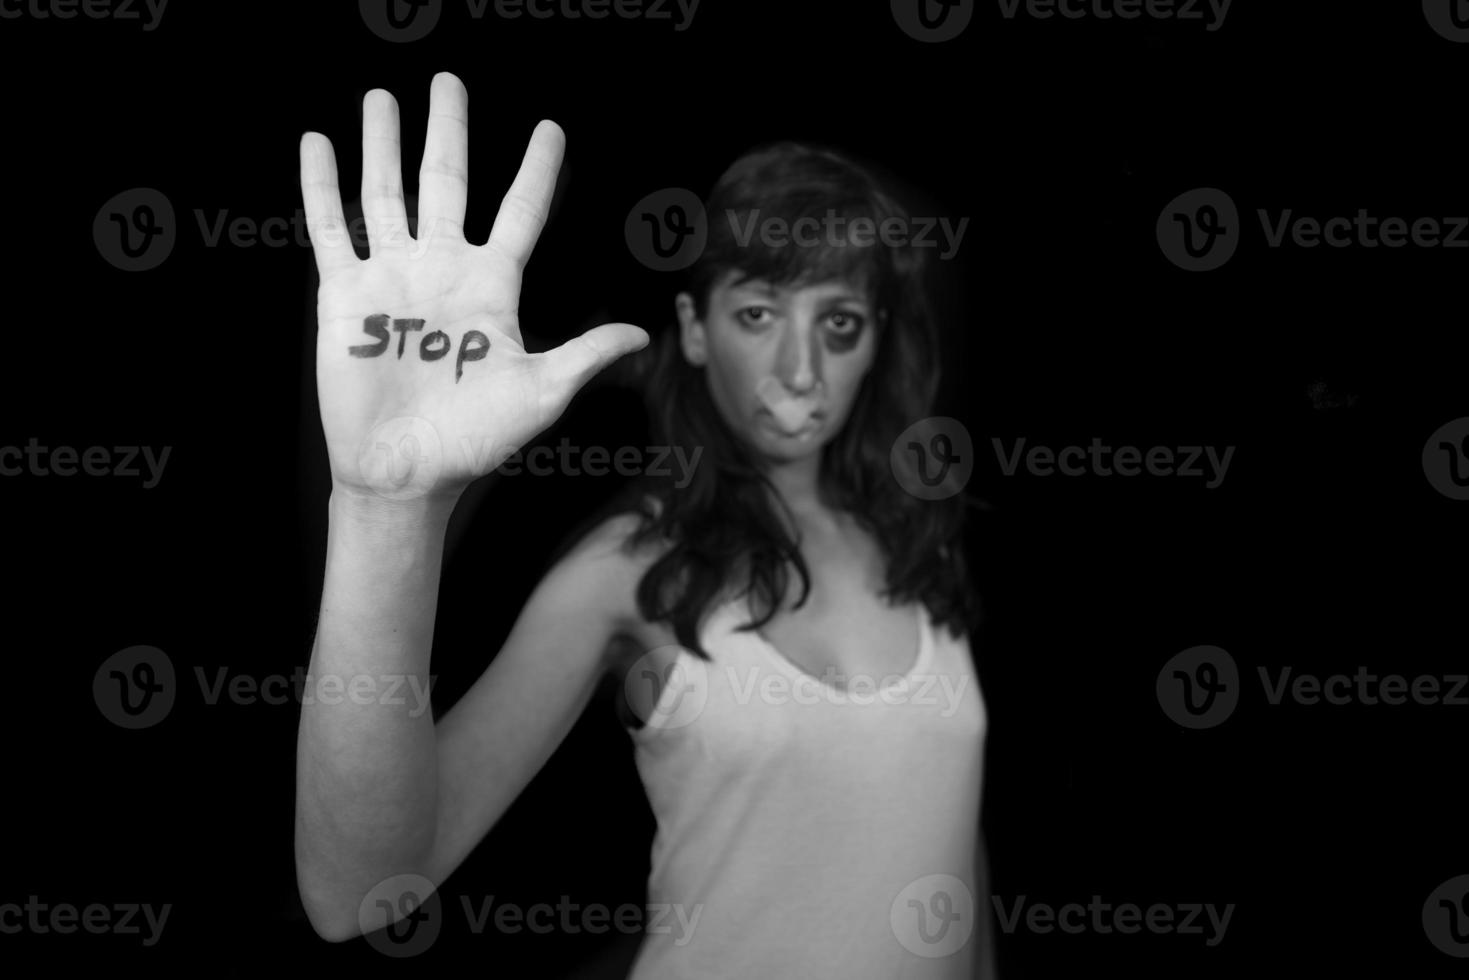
[{"x": 799, "y": 486}]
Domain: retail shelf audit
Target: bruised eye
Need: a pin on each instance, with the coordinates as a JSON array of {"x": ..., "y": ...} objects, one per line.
[{"x": 844, "y": 330}]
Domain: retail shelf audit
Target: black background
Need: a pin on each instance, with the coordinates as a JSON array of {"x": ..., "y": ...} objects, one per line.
[{"x": 1325, "y": 548}]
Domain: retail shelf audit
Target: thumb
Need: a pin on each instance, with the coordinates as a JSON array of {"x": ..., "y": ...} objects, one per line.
[{"x": 572, "y": 365}]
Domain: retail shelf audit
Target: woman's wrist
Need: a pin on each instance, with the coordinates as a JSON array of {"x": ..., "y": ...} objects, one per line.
[{"x": 368, "y": 511}]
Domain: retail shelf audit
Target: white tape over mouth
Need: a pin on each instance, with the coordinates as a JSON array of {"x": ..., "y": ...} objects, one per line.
[{"x": 793, "y": 413}]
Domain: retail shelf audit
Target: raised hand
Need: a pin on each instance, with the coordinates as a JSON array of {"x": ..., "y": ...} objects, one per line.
[{"x": 422, "y": 376}]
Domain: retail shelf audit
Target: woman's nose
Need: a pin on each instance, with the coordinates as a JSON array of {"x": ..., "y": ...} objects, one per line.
[{"x": 799, "y": 361}]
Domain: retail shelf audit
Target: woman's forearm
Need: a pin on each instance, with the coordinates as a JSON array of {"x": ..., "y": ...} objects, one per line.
[{"x": 366, "y": 782}]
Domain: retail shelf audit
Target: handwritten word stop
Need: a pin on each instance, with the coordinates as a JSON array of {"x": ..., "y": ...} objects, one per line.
[{"x": 473, "y": 346}]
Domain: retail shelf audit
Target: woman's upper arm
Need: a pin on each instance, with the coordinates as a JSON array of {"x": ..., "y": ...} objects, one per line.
[{"x": 501, "y": 732}]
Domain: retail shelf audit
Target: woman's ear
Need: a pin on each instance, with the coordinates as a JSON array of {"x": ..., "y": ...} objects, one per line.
[{"x": 691, "y": 335}]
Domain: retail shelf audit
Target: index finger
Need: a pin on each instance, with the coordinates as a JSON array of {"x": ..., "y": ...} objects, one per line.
[{"x": 523, "y": 211}]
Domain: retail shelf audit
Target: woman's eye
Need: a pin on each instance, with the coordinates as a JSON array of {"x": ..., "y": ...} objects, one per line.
[
  {"x": 846, "y": 323},
  {"x": 754, "y": 316}
]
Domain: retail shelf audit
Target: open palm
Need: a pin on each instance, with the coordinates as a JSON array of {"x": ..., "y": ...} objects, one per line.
[{"x": 422, "y": 376}]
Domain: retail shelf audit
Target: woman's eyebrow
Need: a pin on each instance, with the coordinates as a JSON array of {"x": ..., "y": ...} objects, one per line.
[
  {"x": 837, "y": 294},
  {"x": 754, "y": 286},
  {"x": 845, "y": 296}
]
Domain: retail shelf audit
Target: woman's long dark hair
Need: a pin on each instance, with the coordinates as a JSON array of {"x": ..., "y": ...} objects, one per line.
[{"x": 721, "y": 531}]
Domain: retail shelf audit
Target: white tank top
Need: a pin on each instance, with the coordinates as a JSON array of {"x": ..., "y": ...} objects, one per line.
[{"x": 805, "y": 831}]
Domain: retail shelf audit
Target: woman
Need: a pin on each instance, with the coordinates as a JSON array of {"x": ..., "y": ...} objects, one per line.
[{"x": 812, "y": 754}]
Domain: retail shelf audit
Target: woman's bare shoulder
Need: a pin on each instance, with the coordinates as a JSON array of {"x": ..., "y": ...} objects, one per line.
[{"x": 610, "y": 555}]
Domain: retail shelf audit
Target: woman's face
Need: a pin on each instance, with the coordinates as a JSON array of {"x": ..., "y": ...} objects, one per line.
[{"x": 783, "y": 363}]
